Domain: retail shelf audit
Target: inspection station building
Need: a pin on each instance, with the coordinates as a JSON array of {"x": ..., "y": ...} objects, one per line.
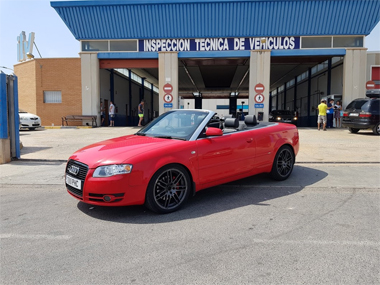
[{"x": 229, "y": 56}]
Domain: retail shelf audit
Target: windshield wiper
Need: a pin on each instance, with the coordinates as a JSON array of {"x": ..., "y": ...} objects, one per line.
[
  {"x": 169, "y": 137},
  {"x": 140, "y": 134}
]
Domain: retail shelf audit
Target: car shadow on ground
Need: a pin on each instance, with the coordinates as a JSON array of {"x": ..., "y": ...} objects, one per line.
[
  {"x": 257, "y": 190},
  {"x": 32, "y": 149},
  {"x": 25, "y": 130},
  {"x": 364, "y": 133}
]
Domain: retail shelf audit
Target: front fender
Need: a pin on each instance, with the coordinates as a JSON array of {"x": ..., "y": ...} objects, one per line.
[{"x": 146, "y": 166}]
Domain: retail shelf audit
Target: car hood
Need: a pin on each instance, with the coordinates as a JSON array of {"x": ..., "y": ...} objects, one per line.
[
  {"x": 120, "y": 150},
  {"x": 27, "y": 115}
]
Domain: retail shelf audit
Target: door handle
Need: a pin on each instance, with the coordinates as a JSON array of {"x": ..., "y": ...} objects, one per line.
[{"x": 249, "y": 140}]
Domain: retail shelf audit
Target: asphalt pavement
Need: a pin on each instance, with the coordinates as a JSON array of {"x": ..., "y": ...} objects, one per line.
[{"x": 320, "y": 226}]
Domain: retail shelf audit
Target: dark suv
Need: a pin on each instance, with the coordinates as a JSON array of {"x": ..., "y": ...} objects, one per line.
[{"x": 363, "y": 113}]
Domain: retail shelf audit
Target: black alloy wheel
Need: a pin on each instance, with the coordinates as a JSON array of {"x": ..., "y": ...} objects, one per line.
[
  {"x": 168, "y": 189},
  {"x": 283, "y": 163},
  {"x": 376, "y": 129},
  {"x": 353, "y": 131}
]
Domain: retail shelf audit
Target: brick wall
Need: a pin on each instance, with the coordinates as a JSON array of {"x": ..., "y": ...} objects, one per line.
[
  {"x": 26, "y": 86},
  {"x": 50, "y": 74}
]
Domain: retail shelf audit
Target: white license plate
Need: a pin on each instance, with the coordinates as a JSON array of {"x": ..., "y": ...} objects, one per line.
[
  {"x": 287, "y": 121},
  {"x": 354, "y": 114},
  {"x": 73, "y": 182}
]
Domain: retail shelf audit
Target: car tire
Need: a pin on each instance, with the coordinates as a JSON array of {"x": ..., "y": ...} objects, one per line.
[
  {"x": 353, "y": 131},
  {"x": 283, "y": 163},
  {"x": 168, "y": 189},
  {"x": 376, "y": 129}
]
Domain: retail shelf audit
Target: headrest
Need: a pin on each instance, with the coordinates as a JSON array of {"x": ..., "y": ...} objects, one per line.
[
  {"x": 228, "y": 116},
  {"x": 250, "y": 120},
  {"x": 231, "y": 123}
]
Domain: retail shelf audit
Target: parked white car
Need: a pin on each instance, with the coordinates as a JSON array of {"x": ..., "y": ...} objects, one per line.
[{"x": 28, "y": 120}]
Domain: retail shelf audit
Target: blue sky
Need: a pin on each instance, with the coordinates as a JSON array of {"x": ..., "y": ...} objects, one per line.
[{"x": 52, "y": 37}]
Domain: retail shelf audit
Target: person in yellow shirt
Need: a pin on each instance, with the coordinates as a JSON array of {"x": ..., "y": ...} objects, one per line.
[{"x": 322, "y": 116}]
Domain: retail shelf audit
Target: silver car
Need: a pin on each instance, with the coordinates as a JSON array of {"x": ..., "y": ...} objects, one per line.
[{"x": 28, "y": 120}]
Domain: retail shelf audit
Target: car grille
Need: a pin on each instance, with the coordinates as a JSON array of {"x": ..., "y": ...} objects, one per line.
[{"x": 81, "y": 175}]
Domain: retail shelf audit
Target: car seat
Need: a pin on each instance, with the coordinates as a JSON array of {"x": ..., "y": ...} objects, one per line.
[{"x": 231, "y": 125}]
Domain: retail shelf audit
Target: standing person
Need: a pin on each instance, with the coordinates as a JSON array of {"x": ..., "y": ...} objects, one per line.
[
  {"x": 330, "y": 113},
  {"x": 102, "y": 113},
  {"x": 140, "y": 112},
  {"x": 337, "y": 109},
  {"x": 322, "y": 109},
  {"x": 111, "y": 113}
]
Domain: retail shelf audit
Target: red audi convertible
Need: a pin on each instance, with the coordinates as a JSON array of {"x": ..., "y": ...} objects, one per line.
[{"x": 176, "y": 155}]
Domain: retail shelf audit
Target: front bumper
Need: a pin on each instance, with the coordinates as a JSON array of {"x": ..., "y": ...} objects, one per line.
[
  {"x": 118, "y": 190},
  {"x": 30, "y": 124}
]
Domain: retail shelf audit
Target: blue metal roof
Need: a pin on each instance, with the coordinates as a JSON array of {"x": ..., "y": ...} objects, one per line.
[{"x": 216, "y": 18}]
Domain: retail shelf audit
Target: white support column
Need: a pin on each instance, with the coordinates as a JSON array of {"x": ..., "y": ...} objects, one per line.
[
  {"x": 354, "y": 74},
  {"x": 90, "y": 84},
  {"x": 259, "y": 72},
  {"x": 167, "y": 73}
]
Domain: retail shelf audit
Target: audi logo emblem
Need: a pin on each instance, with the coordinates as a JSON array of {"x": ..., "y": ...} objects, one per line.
[{"x": 73, "y": 169}]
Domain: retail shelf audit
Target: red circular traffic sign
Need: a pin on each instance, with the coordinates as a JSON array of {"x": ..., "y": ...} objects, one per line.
[
  {"x": 259, "y": 98},
  {"x": 168, "y": 88},
  {"x": 168, "y": 98},
  {"x": 259, "y": 88},
  {"x": 370, "y": 85}
]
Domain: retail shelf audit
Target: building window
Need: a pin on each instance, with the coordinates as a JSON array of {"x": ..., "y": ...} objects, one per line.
[
  {"x": 348, "y": 42},
  {"x": 119, "y": 45},
  {"x": 336, "y": 59},
  {"x": 316, "y": 42},
  {"x": 290, "y": 83},
  {"x": 52, "y": 97},
  {"x": 95, "y": 46},
  {"x": 123, "y": 45},
  {"x": 136, "y": 78}
]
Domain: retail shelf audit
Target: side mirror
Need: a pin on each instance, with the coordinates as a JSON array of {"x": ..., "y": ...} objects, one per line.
[{"x": 211, "y": 132}]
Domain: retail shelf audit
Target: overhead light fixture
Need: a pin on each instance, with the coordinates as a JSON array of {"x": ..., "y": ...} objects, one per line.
[
  {"x": 29, "y": 55},
  {"x": 197, "y": 94},
  {"x": 234, "y": 94}
]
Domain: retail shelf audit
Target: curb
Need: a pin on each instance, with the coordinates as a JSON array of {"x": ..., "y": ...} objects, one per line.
[{"x": 67, "y": 127}]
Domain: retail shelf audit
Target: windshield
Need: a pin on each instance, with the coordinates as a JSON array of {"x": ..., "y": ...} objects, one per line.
[{"x": 179, "y": 124}]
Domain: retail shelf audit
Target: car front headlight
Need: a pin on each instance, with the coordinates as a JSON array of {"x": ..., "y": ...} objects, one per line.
[
  {"x": 295, "y": 118},
  {"x": 111, "y": 170},
  {"x": 278, "y": 118}
]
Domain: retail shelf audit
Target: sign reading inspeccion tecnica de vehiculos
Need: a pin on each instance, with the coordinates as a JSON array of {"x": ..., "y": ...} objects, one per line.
[{"x": 219, "y": 44}]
